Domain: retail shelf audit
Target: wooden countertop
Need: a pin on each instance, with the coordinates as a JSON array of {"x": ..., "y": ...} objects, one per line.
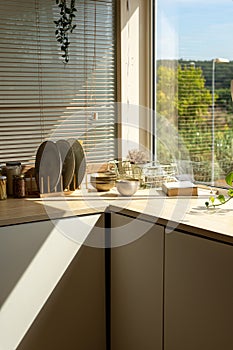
[
  {"x": 24, "y": 210},
  {"x": 184, "y": 213}
]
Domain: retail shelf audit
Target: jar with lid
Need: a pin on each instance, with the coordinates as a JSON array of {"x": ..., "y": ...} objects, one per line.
[
  {"x": 3, "y": 192},
  {"x": 19, "y": 186},
  {"x": 12, "y": 169}
]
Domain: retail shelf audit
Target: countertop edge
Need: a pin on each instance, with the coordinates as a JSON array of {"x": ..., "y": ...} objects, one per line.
[
  {"x": 29, "y": 212},
  {"x": 173, "y": 225}
]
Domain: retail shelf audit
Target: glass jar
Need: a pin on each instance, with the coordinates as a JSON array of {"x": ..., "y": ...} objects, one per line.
[
  {"x": 12, "y": 169},
  {"x": 154, "y": 175},
  {"x": 31, "y": 186},
  {"x": 19, "y": 188},
  {"x": 3, "y": 192}
]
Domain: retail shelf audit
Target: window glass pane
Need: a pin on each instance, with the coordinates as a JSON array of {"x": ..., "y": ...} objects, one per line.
[{"x": 194, "y": 62}]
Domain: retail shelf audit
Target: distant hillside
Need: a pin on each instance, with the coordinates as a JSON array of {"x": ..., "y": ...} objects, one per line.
[{"x": 223, "y": 71}]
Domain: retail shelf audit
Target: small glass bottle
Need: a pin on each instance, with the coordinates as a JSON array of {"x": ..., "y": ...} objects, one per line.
[
  {"x": 19, "y": 188},
  {"x": 3, "y": 192}
]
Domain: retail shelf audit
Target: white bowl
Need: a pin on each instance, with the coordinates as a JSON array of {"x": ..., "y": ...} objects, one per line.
[{"x": 127, "y": 187}]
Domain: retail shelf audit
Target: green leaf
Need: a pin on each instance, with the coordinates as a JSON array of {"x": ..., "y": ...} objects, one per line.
[
  {"x": 230, "y": 192},
  {"x": 212, "y": 199},
  {"x": 229, "y": 178},
  {"x": 221, "y": 198}
]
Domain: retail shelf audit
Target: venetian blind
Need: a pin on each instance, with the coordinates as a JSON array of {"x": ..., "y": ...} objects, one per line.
[{"x": 40, "y": 97}]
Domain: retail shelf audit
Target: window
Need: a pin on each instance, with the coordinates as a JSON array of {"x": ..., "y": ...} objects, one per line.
[
  {"x": 42, "y": 98},
  {"x": 194, "y": 72}
]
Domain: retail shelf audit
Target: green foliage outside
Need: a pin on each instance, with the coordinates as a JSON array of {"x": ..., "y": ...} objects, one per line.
[
  {"x": 185, "y": 99},
  {"x": 193, "y": 98},
  {"x": 224, "y": 99},
  {"x": 167, "y": 98}
]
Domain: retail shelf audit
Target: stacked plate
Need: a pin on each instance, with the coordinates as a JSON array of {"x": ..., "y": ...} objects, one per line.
[
  {"x": 68, "y": 162},
  {"x": 59, "y": 165},
  {"x": 48, "y": 167},
  {"x": 80, "y": 164},
  {"x": 103, "y": 181}
]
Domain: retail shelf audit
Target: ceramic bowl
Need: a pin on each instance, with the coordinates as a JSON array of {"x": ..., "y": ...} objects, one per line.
[{"x": 127, "y": 187}]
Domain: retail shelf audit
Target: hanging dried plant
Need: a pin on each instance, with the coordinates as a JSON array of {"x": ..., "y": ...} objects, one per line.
[{"x": 64, "y": 26}]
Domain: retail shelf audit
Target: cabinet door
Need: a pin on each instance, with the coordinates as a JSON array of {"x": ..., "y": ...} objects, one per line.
[
  {"x": 136, "y": 284},
  {"x": 198, "y": 293},
  {"x": 73, "y": 316},
  {"x": 54, "y": 294}
]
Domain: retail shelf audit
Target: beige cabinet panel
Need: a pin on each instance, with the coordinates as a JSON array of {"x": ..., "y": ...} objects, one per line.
[
  {"x": 198, "y": 293},
  {"x": 73, "y": 317},
  {"x": 136, "y": 285},
  {"x": 19, "y": 245}
]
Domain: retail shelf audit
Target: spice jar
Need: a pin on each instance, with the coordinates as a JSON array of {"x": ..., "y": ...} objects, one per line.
[
  {"x": 31, "y": 186},
  {"x": 3, "y": 192},
  {"x": 12, "y": 169},
  {"x": 19, "y": 186}
]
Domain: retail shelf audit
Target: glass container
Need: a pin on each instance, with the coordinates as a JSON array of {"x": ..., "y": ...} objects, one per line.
[
  {"x": 3, "y": 191},
  {"x": 12, "y": 169},
  {"x": 154, "y": 175},
  {"x": 19, "y": 188}
]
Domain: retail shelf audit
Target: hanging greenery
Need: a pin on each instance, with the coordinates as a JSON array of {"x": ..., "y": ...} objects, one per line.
[{"x": 65, "y": 26}]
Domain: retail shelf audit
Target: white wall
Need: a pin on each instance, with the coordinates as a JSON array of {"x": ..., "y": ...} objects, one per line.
[{"x": 135, "y": 74}]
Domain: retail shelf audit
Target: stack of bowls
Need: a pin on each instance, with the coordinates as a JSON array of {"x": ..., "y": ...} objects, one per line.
[{"x": 103, "y": 181}]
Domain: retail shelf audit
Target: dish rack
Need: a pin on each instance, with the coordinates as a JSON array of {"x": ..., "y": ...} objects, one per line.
[
  {"x": 60, "y": 166},
  {"x": 150, "y": 175},
  {"x": 156, "y": 174}
]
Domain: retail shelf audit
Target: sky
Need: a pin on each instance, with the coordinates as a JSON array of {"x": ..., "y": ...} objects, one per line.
[{"x": 195, "y": 29}]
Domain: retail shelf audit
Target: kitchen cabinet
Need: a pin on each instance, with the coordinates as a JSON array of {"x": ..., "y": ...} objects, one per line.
[
  {"x": 136, "y": 284},
  {"x": 170, "y": 291},
  {"x": 54, "y": 296},
  {"x": 151, "y": 289},
  {"x": 198, "y": 293}
]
